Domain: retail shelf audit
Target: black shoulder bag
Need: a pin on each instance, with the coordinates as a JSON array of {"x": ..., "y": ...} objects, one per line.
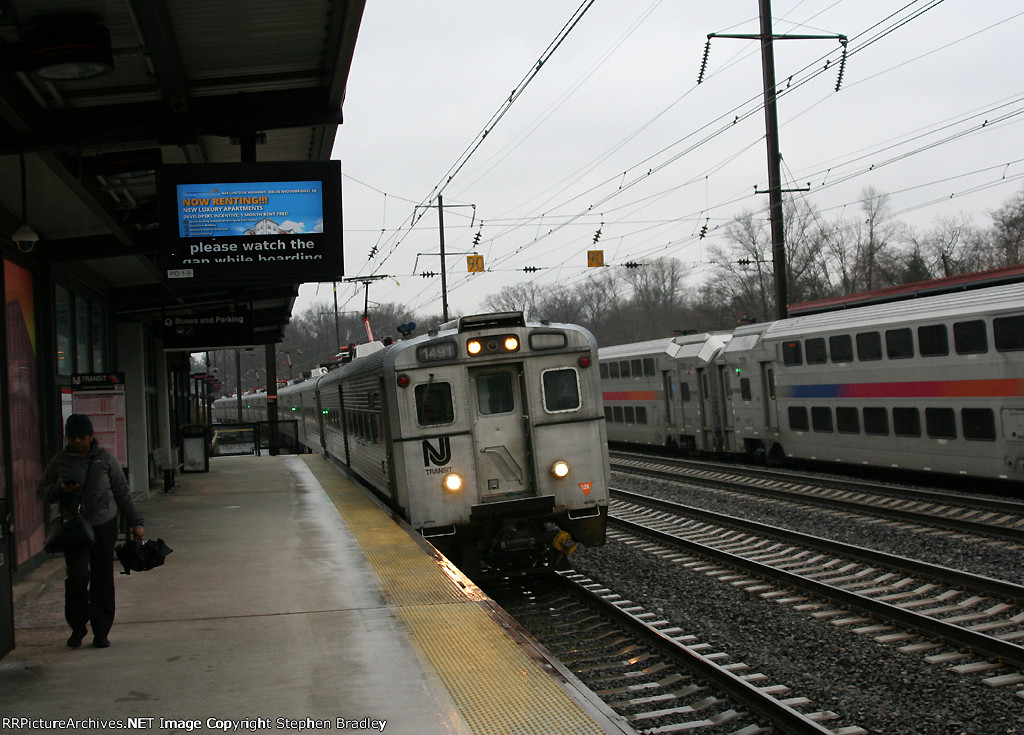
[{"x": 73, "y": 532}]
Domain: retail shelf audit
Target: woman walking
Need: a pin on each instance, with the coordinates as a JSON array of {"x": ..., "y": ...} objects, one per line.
[{"x": 84, "y": 472}]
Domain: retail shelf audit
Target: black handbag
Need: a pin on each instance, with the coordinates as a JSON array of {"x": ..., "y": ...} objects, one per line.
[{"x": 73, "y": 532}]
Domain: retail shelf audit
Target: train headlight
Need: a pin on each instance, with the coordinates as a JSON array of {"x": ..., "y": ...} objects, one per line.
[
  {"x": 452, "y": 482},
  {"x": 511, "y": 343},
  {"x": 474, "y": 347},
  {"x": 560, "y": 468}
]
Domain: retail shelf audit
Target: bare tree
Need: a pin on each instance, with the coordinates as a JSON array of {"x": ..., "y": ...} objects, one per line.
[
  {"x": 950, "y": 248},
  {"x": 1008, "y": 233},
  {"x": 524, "y": 297},
  {"x": 874, "y": 237},
  {"x": 741, "y": 282}
]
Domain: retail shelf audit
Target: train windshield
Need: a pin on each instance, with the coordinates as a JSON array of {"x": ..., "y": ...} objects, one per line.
[{"x": 561, "y": 390}]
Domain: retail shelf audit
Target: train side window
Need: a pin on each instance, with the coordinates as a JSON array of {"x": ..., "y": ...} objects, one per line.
[
  {"x": 641, "y": 415},
  {"x": 494, "y": 394},
  {"x": 613, "y": 370},
  {"x": 434, "y": 404},
  {"x": 970, "y": 337},
  {"x": 684, "y": 392},
  {"x": 815, "y": 349},
  {"x": 841, "y": 348},
  {"x": 791, "y": 353},
  {"x": 771, "y": 383},
  {"x": 798, "y": 418},
  {"x": 899, "y": 343},
  {"x": 940, "y": 423},
  {"x": 561, "y": 389},
  {"x": 979, "y": 424},
  {"x": 637, "y": 367},
  {"x": 745, "y": 389},
  {"x": 932, "y": 340},
  {"x": 1008, "y": 332},
  {"x": 604, "y": 371},
  {"x": 629, "y": 414},
  {"x": 876, "y": 421},
  {"x": 624, "y": 368},
  {"x": 608, "y": 414},
  {"x": 617, "y": 413},
  {"x": 847, "y": 420},
  {"x": 906, "y": 422},
  {"x": 869, "y": 346},
  {"x": 821, "y": 419},
  {"x": 649, "y": 367},
  {"x": 706, "y": 386}
]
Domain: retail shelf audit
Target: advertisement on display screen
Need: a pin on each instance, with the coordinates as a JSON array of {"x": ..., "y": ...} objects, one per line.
[{"x": 255, "y": 221}]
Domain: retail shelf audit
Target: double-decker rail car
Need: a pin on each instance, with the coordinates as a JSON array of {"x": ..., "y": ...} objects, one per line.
[
  {"x": 664, "y": 392},
  {"x": 487, "y": 436},
  {"x": 934, "y": 384}
]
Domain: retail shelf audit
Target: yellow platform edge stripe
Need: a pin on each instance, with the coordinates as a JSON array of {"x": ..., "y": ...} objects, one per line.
[{"x": 497, "y": 688}]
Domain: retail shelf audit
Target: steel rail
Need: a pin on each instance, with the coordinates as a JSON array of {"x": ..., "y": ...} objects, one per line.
[
  {"x": 760, "y": 703},
  {"x": 984, "y": 645},
  {"x": 955, "y": 524},
  {"x": 947, "y": 575},
  {"x": 998, "y": 505}
]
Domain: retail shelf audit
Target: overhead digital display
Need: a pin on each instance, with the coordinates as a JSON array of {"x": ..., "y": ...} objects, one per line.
[{"x": 254, "y": 221}]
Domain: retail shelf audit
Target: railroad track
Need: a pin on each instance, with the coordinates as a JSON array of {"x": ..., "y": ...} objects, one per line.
[
  {"x": 654, "y": 675},
  {"x": 895, "y": 599},
  {"x": 981, "y": 516}
]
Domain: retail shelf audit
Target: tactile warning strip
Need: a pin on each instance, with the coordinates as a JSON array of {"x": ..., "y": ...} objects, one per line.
[{"x": 498, "y": 689}]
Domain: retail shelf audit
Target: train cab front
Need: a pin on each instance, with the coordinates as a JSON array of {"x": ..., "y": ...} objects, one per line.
[{"x": 519, "y": 443}]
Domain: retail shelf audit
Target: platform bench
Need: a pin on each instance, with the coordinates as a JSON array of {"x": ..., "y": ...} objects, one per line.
[{"x": 168, "y": 467}]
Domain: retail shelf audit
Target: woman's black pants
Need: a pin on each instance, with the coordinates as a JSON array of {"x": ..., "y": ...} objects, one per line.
[{"x": 89, "y": 585}]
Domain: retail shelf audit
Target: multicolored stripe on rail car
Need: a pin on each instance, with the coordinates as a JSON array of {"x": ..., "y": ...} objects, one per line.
[
  {"x": 632, "y": 395},
  {"x": 993, "y": 388}
]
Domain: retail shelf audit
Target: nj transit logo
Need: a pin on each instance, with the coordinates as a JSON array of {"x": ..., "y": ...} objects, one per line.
[{"x": 441, "y": 455}]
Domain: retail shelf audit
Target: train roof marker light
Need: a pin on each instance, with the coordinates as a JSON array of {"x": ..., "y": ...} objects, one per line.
[
  {"x": 511, "y": 343},
  {"x": 403, "y": 381},
  {"x": 474, "y": 347},
  {"x": 585, "y": 361}
]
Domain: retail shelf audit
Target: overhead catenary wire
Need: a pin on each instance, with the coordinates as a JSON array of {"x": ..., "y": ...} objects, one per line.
[{"x": 499, "y": 248}]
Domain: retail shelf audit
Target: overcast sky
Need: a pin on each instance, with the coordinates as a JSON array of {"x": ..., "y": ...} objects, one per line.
[{"x": 613, "y": 132}]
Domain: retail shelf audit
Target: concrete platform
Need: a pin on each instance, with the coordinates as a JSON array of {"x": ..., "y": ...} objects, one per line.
[{"x": 291, "y": 603}]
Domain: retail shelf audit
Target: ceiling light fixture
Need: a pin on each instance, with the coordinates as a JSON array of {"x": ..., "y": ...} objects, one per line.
[
  {"x": 24, "y": 237},
  {"x": 64, "y": 50}
]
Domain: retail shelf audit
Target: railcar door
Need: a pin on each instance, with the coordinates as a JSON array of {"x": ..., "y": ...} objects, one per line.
[
  {"x": 501, "y": 442},
  {"x": 771, "y": 405}
]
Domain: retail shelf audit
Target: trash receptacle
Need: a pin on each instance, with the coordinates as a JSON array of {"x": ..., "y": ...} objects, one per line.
[{"x": 195, "y": 448}]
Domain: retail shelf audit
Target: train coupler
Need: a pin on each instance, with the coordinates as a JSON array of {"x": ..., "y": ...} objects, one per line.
[{"x": 564, "y": 543}]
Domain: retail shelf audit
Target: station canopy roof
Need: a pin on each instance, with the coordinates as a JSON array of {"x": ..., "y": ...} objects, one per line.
[{"x": 85, "y": 121}]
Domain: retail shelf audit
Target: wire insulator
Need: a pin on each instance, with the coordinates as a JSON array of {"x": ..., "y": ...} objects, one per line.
[
  {"x": 704, "y": 62},
  {"x": 842, "y": 68}
]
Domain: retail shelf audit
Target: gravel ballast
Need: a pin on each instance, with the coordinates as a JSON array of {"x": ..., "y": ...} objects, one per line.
[{"x": 873, "y": 685}]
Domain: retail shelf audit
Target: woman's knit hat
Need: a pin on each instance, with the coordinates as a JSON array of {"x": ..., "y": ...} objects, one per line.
[{"x": 78, "y": 424}]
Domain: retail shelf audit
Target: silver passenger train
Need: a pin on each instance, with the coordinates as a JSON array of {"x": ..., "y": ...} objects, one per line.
[
  {"x": 933, "y": 384},
  {"x": 487, "y": 436}
]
